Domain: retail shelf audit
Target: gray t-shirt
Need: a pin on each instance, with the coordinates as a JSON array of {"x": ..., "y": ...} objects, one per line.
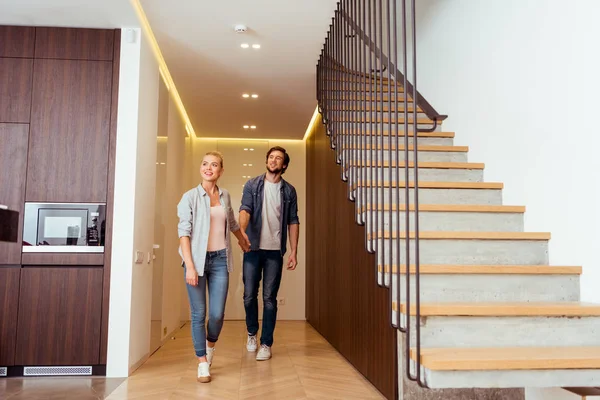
[{"x": 270, "y": 233}]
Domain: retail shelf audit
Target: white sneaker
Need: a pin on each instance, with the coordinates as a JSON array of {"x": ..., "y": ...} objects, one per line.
[
  {"x": 251, "y": 344},
  {"x": 203, "y": 372},
  {"x": 264, "y": 353},
  {"x": 210, "y": 352}
]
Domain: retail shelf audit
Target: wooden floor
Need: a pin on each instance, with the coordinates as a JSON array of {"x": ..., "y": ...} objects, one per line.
[{"x": 304, "y": 366}]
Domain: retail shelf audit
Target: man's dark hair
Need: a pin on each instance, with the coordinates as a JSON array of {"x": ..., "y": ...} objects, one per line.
[{"x": 286, "y": 157}]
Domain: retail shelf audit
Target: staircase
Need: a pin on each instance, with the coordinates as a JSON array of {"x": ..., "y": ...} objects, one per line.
[{"x": 490, "y": 312}]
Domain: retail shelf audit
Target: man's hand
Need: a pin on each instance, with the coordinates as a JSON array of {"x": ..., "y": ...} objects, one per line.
[
  {"x": 244, "y": 242},
  {"x": 292, "y": 262}
]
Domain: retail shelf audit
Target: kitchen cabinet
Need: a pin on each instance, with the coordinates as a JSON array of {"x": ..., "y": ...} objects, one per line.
[
  {"x": 13, "y": 167},
  {"x": 69, "y": 135},
  {"x": 9, "y": 307},
  {"x": 17, "y": 41},
  {"x": 60, "y": 310},
  {"x": 15, "y": 89}
]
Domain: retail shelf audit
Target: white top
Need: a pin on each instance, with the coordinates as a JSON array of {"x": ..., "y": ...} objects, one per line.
[
  {"x": 218, "y": 223},
  {"x": 270, "y": 232}
]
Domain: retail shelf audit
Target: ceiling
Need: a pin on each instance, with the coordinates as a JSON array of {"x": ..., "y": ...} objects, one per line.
[
  {"x": 203, "y": 54},
  {"x": 211, "y": 70}
]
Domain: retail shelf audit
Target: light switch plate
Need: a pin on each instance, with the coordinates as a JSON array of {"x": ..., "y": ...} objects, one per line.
[{"x": 139, "y": 257}]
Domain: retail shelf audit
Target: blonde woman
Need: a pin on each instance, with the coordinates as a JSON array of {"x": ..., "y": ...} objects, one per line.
[{"x": 205, "y": 220}]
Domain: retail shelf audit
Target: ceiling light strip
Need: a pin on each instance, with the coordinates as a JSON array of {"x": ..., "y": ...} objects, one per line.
[
  {"x": 164, "y": 70},
  {"x": 311, "y": 124}
]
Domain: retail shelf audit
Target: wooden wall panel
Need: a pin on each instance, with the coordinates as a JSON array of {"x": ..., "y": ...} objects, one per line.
[
  {"x": 343, "y": 300},
  {"x": 69, "y": 139},
  {"x": 110, "y": 197},
  {"x": 17, "y": 41},
  {"x": 74, "y": 44},
  {"x": 62, "y": 259},
  {"x": 13, "y": 170},
  {"x": 65, "y": 304},
  {"x": 9, "y": 307},
  {"x": 16, "y": 76}
]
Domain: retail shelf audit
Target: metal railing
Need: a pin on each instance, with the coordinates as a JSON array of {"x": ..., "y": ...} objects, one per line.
[{"x": 357, "y": 84}]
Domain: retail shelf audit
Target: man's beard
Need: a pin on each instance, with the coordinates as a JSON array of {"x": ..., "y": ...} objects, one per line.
[{"x": 274, "y": 170}]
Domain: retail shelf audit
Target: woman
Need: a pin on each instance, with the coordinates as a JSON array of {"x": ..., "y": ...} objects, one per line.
[{"x": 205, "y": 219}]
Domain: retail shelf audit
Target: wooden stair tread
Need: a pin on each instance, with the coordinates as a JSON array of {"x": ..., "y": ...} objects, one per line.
[
  {"x": 511, "y": 358},
  {"x": 584, "y": 391},
  {"x": 444, "y": 269},
  {"x": 559, "y": 309},
  {"x": 366, "y": 97},
  {"x": 435, "y": 185},
  {"x": 385, "y": 120},
  {"x": 448, "y": 208},
  {"x": 421, "y": 148},
  {"x": 457, "y": 235},
  {"x": 428, "y": 165},
  {"x": 385, "y": 108}
]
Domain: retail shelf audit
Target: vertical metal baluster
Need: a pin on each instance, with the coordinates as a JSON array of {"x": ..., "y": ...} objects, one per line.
[
  {"x": 355, "y": 90},
  {"x": 336, "y": 84},
  {"x": 367, "y": 96},
  {"x": 390, "y": 161},
  {"x": 406, "y": 192},
  {"x": 381, "y": 152},
  {"x": 398, "y": 275},
  {"x": 345, "y": 92},
  {"x": 359, "y": 112},
  {"x": 416, "y": 201}
]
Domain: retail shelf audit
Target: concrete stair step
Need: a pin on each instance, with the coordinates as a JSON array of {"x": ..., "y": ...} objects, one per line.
[
  {"x": 452, "y": 193},
  {"x": 426, "y": 153},
  {"x": 487, "y": 283},
  {"x": 504, "y": 367},
  {"x": 428, "y": 171},
  {"x": 466, "y": 248},
  {"x": 449, "y": 219}
]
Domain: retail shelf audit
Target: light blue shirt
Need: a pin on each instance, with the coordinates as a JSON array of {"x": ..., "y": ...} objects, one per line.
[{"x": 194, "y": 221}]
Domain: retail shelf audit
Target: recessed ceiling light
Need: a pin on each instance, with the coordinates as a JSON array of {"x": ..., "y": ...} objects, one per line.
[
  {"x": 245, "y": 165},
  {"x": 251, "y": 149},
  {"x": 245, "y": 95},
  {"x": 246, "y": 127},
  {"x": 252, "y": 126},
  {"x": 255, "y": 96},
  {"x": 245, "y": 45},
  {"x": 249, "y": 165},
  {"x": 245, "y": 149},
  {"x": 256, "y": 46}
]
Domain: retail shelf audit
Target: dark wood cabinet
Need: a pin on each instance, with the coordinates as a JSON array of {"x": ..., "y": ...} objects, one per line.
[
  {"x": 59, "y": 316},
  {"x": 70, "y": 126},
  {"x": 15, "y": 89},
  {"x": 13, "y": 169},
  {"x": 9, "y": 307},
  {"x": 74, "y": 44},
  {"x": 17, "y": 41}
]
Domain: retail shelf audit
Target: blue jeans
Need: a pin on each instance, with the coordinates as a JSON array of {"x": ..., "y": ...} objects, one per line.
[
  {"x": 217, "y": 279},
  {"x": 267, "y": 264}
]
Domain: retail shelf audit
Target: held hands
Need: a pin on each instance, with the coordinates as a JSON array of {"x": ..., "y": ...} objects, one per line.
[
  {"x": 244, "y": 242},
  {"x": 191, "y": 276},
  {"x": 292, "y": 262}
]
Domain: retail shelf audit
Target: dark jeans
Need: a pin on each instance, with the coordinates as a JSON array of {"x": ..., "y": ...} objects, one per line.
[
  {"x": 267, "y": 264},
  {"x": 216, "y": 278}
]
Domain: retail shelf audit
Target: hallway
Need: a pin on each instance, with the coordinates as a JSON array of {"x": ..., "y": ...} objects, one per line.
[{"x": 304, "y": 366}]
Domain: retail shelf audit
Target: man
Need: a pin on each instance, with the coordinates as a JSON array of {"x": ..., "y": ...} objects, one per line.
[{"x": 269, "y": 209}]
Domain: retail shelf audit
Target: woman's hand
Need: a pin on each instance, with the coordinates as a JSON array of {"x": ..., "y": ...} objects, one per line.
[{"x": 191, "y": 276}]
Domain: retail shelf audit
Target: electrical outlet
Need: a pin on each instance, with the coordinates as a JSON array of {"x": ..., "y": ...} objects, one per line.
[
  {"x": 139, "y": 257},
  {"x": 281, "y": 301}
]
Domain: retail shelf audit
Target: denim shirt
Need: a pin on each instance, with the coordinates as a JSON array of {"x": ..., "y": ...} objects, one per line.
[
  {"x": 252, "y": 202},
  {"x": 194, "y": 221}
]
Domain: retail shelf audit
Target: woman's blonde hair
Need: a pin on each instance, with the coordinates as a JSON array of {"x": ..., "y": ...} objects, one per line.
[{"x": 217, "y": 154}]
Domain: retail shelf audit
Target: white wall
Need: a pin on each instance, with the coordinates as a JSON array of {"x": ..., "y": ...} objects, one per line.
[
  {"x": 131, "y": 284},
  {"x": 145, "y": 183},
  {"x": 519, "y": 80}
]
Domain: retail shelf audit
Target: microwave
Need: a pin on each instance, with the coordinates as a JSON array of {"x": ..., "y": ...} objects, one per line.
[{"x": 64, "y": 227}]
